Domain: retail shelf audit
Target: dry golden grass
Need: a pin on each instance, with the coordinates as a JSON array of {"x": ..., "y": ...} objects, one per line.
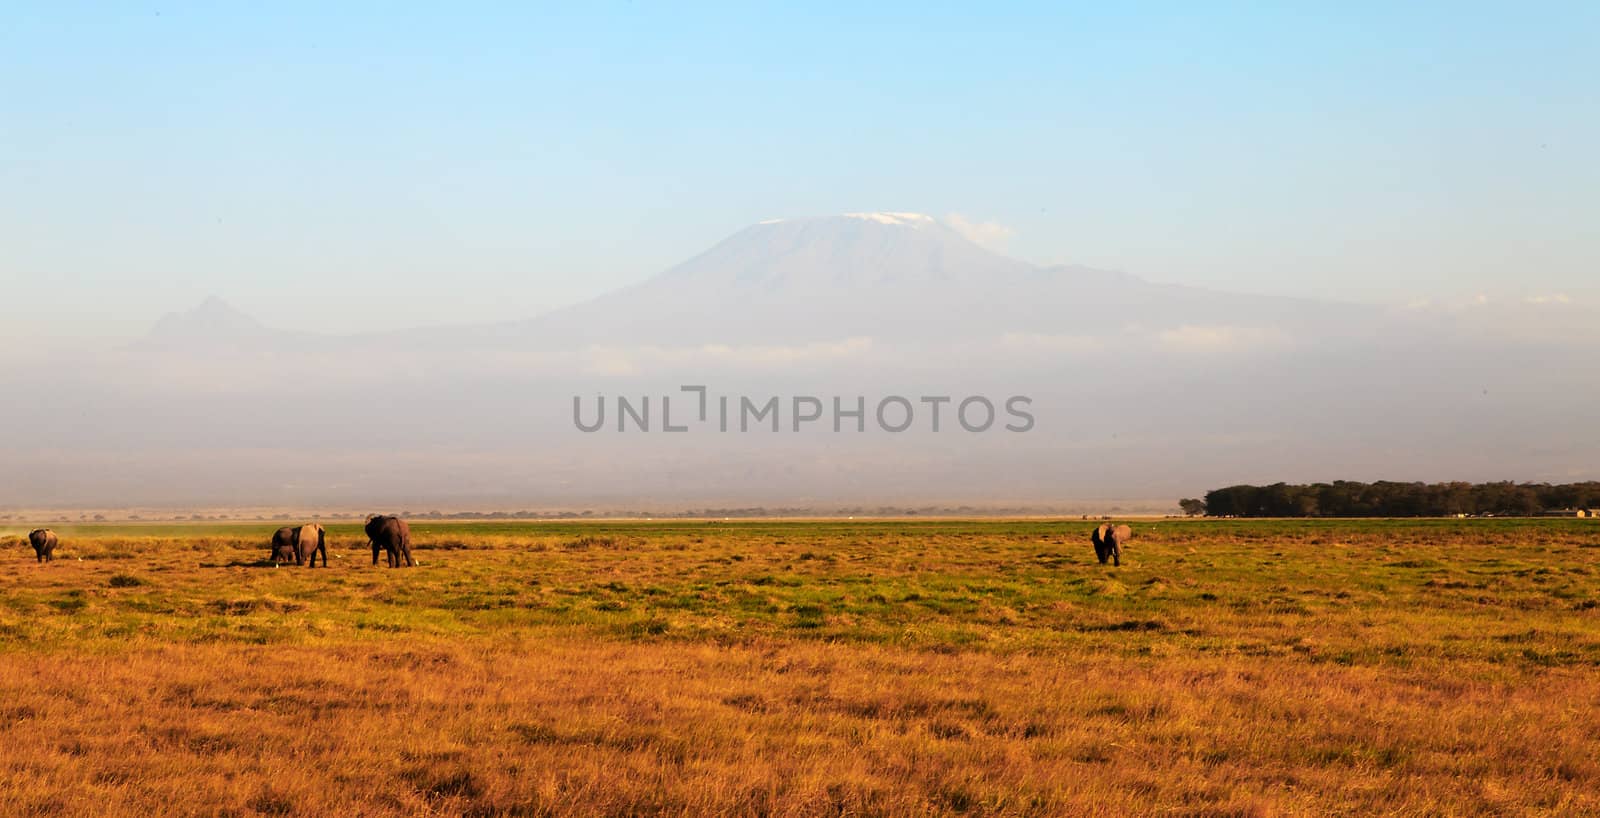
[{"x": 809, "y": 669}]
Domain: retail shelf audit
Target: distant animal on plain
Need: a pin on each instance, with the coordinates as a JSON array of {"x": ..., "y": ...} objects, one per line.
[
  {"x": 1108, "y": 540},
  {"x": 391, "y": 534},
  {"x": 308, "y": 540},
  {"x": 283, "y": 548},
  {"x": 44, "y": 543}
]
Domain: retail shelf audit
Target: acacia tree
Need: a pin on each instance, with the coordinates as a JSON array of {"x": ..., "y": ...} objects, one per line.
[{"x": 1392, "y": 499}]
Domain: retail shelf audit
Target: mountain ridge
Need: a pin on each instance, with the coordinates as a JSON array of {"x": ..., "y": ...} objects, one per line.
[{"x": 1138, "y": 388}]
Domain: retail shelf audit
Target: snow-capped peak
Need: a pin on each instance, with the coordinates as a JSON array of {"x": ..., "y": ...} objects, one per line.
[{"x": 907, "y": 219}]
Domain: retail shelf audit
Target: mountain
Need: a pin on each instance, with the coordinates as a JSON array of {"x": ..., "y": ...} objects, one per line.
[
  {"x": 214, "y": 320},
  {"x": 1137, "y": 390},
  {"x": 898, "y": 277}
]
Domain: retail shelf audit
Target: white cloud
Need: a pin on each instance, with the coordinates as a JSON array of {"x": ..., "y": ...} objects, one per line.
[
  {"x": 1485, "y": 301},
  {"x": 601, "y": 360},
  {"x": 1192, "y": 338},
  {"x": 992, "y": 235}
]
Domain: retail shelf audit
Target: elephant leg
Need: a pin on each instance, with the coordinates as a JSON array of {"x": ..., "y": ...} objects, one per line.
[{"x": 374, "y": 552}]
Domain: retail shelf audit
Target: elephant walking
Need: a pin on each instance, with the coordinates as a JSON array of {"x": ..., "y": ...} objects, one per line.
[
  {"x": 44, "y": 543},
  {"x": 308, "y": 540},
  {"x": 1108, "y": 540},
  {"x": 393, "y": 536}
]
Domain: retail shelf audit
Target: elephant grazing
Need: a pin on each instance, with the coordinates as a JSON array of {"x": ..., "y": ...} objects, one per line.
[
  {"x": 283, "y": 549},
  {"x": 1108, "y": 540},
  {"x": 393, "y": 536},
  {"x": 44, "y": 543},
  {"x": 308, "y": 540}
]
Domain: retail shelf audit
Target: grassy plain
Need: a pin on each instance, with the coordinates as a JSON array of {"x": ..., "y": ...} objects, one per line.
[{"x": 808, "y": 668}]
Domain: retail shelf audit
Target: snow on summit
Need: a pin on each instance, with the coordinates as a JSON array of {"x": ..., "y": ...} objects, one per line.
[{"x": 907, "y": 219}]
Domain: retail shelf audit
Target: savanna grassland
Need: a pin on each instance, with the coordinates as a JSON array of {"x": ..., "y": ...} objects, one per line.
[{"x": 808, "y": 669}]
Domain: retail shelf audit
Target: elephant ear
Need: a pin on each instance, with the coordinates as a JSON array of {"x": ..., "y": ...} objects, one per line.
[{"x": 1095, "y": 537}]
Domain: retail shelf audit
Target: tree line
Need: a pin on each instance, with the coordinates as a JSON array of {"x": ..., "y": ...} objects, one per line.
[{"x": 1345, "y": 498}]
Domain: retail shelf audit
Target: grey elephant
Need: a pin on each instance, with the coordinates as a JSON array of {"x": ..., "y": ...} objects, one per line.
[
  {"x": 1108, "y": 540},
  {"x": 308, "y": 540},
  {"x": 44, "y": 543},
  {"x": 393, "y": 536},
  {"x": 283, "y": 546}
]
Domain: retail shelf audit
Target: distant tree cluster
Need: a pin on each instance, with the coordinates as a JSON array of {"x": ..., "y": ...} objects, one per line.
[{"x": 1389, "y": 499}]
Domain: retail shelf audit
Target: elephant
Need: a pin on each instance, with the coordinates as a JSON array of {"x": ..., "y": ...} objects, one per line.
[
  {"x": 283, "y": 548},
  {"x": 393, "y": 536},
  {"x": 44, "y": 543},
  {"x": 308, "y": 540},
  {"x": 1108, "y": 540}
]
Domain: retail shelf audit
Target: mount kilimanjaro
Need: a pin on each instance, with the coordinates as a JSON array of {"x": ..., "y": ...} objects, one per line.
[{"x": 1140, "y": 390}]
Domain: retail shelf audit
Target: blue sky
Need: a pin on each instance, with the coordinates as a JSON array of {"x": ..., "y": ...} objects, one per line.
[{"x": 387, "y": 165}]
